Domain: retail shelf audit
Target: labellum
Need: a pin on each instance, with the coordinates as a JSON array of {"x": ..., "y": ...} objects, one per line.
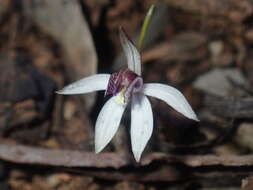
[{"x": 123, "y": 84}]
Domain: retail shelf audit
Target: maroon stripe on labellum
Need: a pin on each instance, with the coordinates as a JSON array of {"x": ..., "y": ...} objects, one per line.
[{"x": 124, "y": 79}]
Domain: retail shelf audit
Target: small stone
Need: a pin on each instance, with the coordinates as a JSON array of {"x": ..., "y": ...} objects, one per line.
[{"x": 216, "y": 82}]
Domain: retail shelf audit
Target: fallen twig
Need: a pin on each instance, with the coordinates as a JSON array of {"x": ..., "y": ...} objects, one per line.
[
  {"x": 113, "y": 166},
  {"x": 232, "y": 9},
  {"x": 35, "y": 155}
]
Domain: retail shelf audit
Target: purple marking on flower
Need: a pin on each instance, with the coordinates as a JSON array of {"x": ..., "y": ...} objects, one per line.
[{"x": 124, "y": 79}]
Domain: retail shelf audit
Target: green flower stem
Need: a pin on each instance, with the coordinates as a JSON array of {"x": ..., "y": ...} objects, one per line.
[{"x": 145, "y": 26}]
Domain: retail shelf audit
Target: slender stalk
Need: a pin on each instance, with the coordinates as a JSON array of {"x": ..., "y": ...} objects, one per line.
[{"x": 145, "y": 26}]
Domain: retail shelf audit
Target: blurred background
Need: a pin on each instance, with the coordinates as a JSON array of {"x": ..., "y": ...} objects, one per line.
[{"x": 202, "y": 47}]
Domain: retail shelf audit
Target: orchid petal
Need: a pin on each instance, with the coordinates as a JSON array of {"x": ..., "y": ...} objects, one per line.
[
  {"x": 107, "y": 123},
  {"x": 141, "y": 124},
  {"x": 132, "y": 54},
  {"x": 86, "y": 85},
  {"x": 172, "y": 97}
]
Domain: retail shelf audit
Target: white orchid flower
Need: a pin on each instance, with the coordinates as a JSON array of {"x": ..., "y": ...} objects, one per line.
[{"x": 127, "y": 86}]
